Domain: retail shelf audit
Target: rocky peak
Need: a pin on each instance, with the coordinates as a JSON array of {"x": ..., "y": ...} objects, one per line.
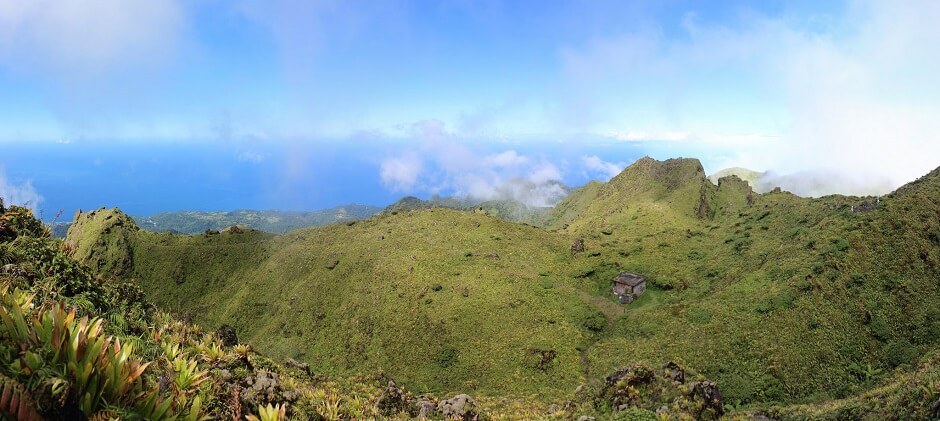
[{"x": 101, "y": 240}]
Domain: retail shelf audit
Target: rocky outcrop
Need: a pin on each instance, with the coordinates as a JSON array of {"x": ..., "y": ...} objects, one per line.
[
  {"x": 461, "y": 407},
  {"x": 708, "y": 398},
  {"x": 101, "y": 239},
  {"x": 393, "y": 400},
  {"x": 666, "y": 393},
  {"x": 227, "y": 335}
]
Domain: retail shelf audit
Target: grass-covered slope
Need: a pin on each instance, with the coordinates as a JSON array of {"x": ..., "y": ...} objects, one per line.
[
  {"x": 440, "y": 299},
  {"x": 778, "y": 297},
  {"x": 572, "y": 206},
  {"x": 781, "y": 299},
  {"x": 273, "y": 221},
  {"x": 506, "y": 209},
  {"x": 266, "y": 220},
  {"x": 78, "y": 345}
]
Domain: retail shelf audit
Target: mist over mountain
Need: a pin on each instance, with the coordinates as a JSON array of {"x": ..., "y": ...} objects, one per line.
[{"x": 811, "y": 183}]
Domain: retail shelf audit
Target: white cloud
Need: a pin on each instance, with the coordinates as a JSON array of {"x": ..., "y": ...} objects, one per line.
[
  {"x": 543, "y": 173},
  {"x": 638, "y": 136},
  {"x": 83, "y": 38},
  {"x": 98, "y": 66},
  {"x": 439, "y": 163},
  {"x": 22, "y": 194},
  {"x": 251, "y": 157},
  {"x": 595, "y": 166},
  {"x": 505, "y": 159},
  {"x": 855, "y": 96},
  {"x": 401, "y": 173}
]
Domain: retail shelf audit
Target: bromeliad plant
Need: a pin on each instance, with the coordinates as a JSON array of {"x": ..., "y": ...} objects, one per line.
[{"x": 77, "y": 363}]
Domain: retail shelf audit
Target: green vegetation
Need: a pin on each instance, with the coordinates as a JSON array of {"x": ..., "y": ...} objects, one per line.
[
  {"x": 795, "y": 307},
  {"x": 506, "y": 209},
  {"x": 473, "y": 304},
  {"x": 78, "y": 346},
  {"x": 268, "y": 221}
]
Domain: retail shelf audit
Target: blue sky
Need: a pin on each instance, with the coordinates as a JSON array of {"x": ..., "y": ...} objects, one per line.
[{"x": 457, "y": 97}]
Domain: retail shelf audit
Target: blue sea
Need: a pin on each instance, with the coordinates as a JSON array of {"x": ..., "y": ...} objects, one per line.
[{"x": 146, "y": 177}]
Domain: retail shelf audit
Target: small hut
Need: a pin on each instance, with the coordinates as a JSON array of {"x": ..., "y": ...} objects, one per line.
[{"x": 628, "y": 286}]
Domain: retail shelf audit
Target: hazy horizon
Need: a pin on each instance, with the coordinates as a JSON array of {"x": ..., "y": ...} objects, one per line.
[{"x": 306, "y": 105}]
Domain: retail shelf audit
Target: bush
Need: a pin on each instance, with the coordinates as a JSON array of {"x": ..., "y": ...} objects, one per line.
[
  {"x": 594, "y": 321},
  {"x": 635, "y": 414}
]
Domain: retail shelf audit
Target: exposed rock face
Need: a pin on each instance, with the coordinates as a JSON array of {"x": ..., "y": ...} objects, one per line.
[
  {"x": 639, "y": 390},
  {"x": 393, "y": 400},
  {"x": 460, "y": 407},
  {"x": 425, "y": 408},
  {"x": 292, "y": 363},
  {"x": 227, "y": 335},
  {"x": 708, "y": 394},
  {"x": 265, "y": 387},
  {"x": 673, "y": 372},
  {"x": 577, "y": 246}
]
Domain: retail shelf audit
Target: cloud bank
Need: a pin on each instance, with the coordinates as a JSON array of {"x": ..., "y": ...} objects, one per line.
[
  {"x": 440, "y": 163},
  {"x": 853, "y": 94},
  {"x": 594, "y": 166},
  {"x": 22, "y": 194}
]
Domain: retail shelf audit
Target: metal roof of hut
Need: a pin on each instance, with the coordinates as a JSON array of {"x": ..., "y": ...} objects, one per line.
[{"x": 629, "y": 278}]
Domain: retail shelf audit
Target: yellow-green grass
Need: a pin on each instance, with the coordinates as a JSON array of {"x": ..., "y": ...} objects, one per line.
[{"x": 441, "y": 300}]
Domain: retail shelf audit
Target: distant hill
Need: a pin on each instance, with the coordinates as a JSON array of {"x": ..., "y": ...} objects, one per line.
[
  {"x": 752, "y": 177},
  {"x": 273, "y": 221},
  {"x": 507, "y": 209},
  {"x": 59, "y": 229}
]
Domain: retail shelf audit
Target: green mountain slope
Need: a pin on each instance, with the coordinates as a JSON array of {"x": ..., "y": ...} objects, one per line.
[
  {"x": 778, "y": 298},
  {"x": 507, "y": 209},
  {"x": 267, "y": 221},
  {"x": 194, "y": 222},
  {"x": 572, "y": 206},
  {"x": 441, "y": 299}
]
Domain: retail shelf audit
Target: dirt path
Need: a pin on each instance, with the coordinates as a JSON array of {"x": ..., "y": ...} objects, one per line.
[{"x": 611, "y": 309}]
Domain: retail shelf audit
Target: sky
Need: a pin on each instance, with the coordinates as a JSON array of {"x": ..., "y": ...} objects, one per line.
[{"x": 213, "y": 105}]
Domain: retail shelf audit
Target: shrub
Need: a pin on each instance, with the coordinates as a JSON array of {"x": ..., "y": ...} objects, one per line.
[{"x": 594, "y": 321}]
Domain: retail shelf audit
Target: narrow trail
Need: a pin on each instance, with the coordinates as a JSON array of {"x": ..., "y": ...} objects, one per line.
[{"x": 612, "y": 311}]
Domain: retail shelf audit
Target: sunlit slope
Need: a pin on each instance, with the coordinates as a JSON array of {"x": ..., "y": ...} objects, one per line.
[
  {"x": 778, "y": 297},
  {"x": 572, "y": 206},
  {"x": 438, "y": 299}
]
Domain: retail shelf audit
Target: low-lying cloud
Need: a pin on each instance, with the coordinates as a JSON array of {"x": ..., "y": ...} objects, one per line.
[
  {"x": 594, "y": 166},
  {"x": 822, "y": 183},
  {"x": 440, "y": 163},
  {"x": 852, "y": 95},
  {"x": 22, "y": 193}
]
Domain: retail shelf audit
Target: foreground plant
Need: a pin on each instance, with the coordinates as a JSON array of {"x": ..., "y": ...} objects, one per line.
[{"x": 73, "y": 362}]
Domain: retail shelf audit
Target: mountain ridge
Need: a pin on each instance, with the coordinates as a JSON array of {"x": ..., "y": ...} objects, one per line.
[{"x": 727, "y": 267}]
